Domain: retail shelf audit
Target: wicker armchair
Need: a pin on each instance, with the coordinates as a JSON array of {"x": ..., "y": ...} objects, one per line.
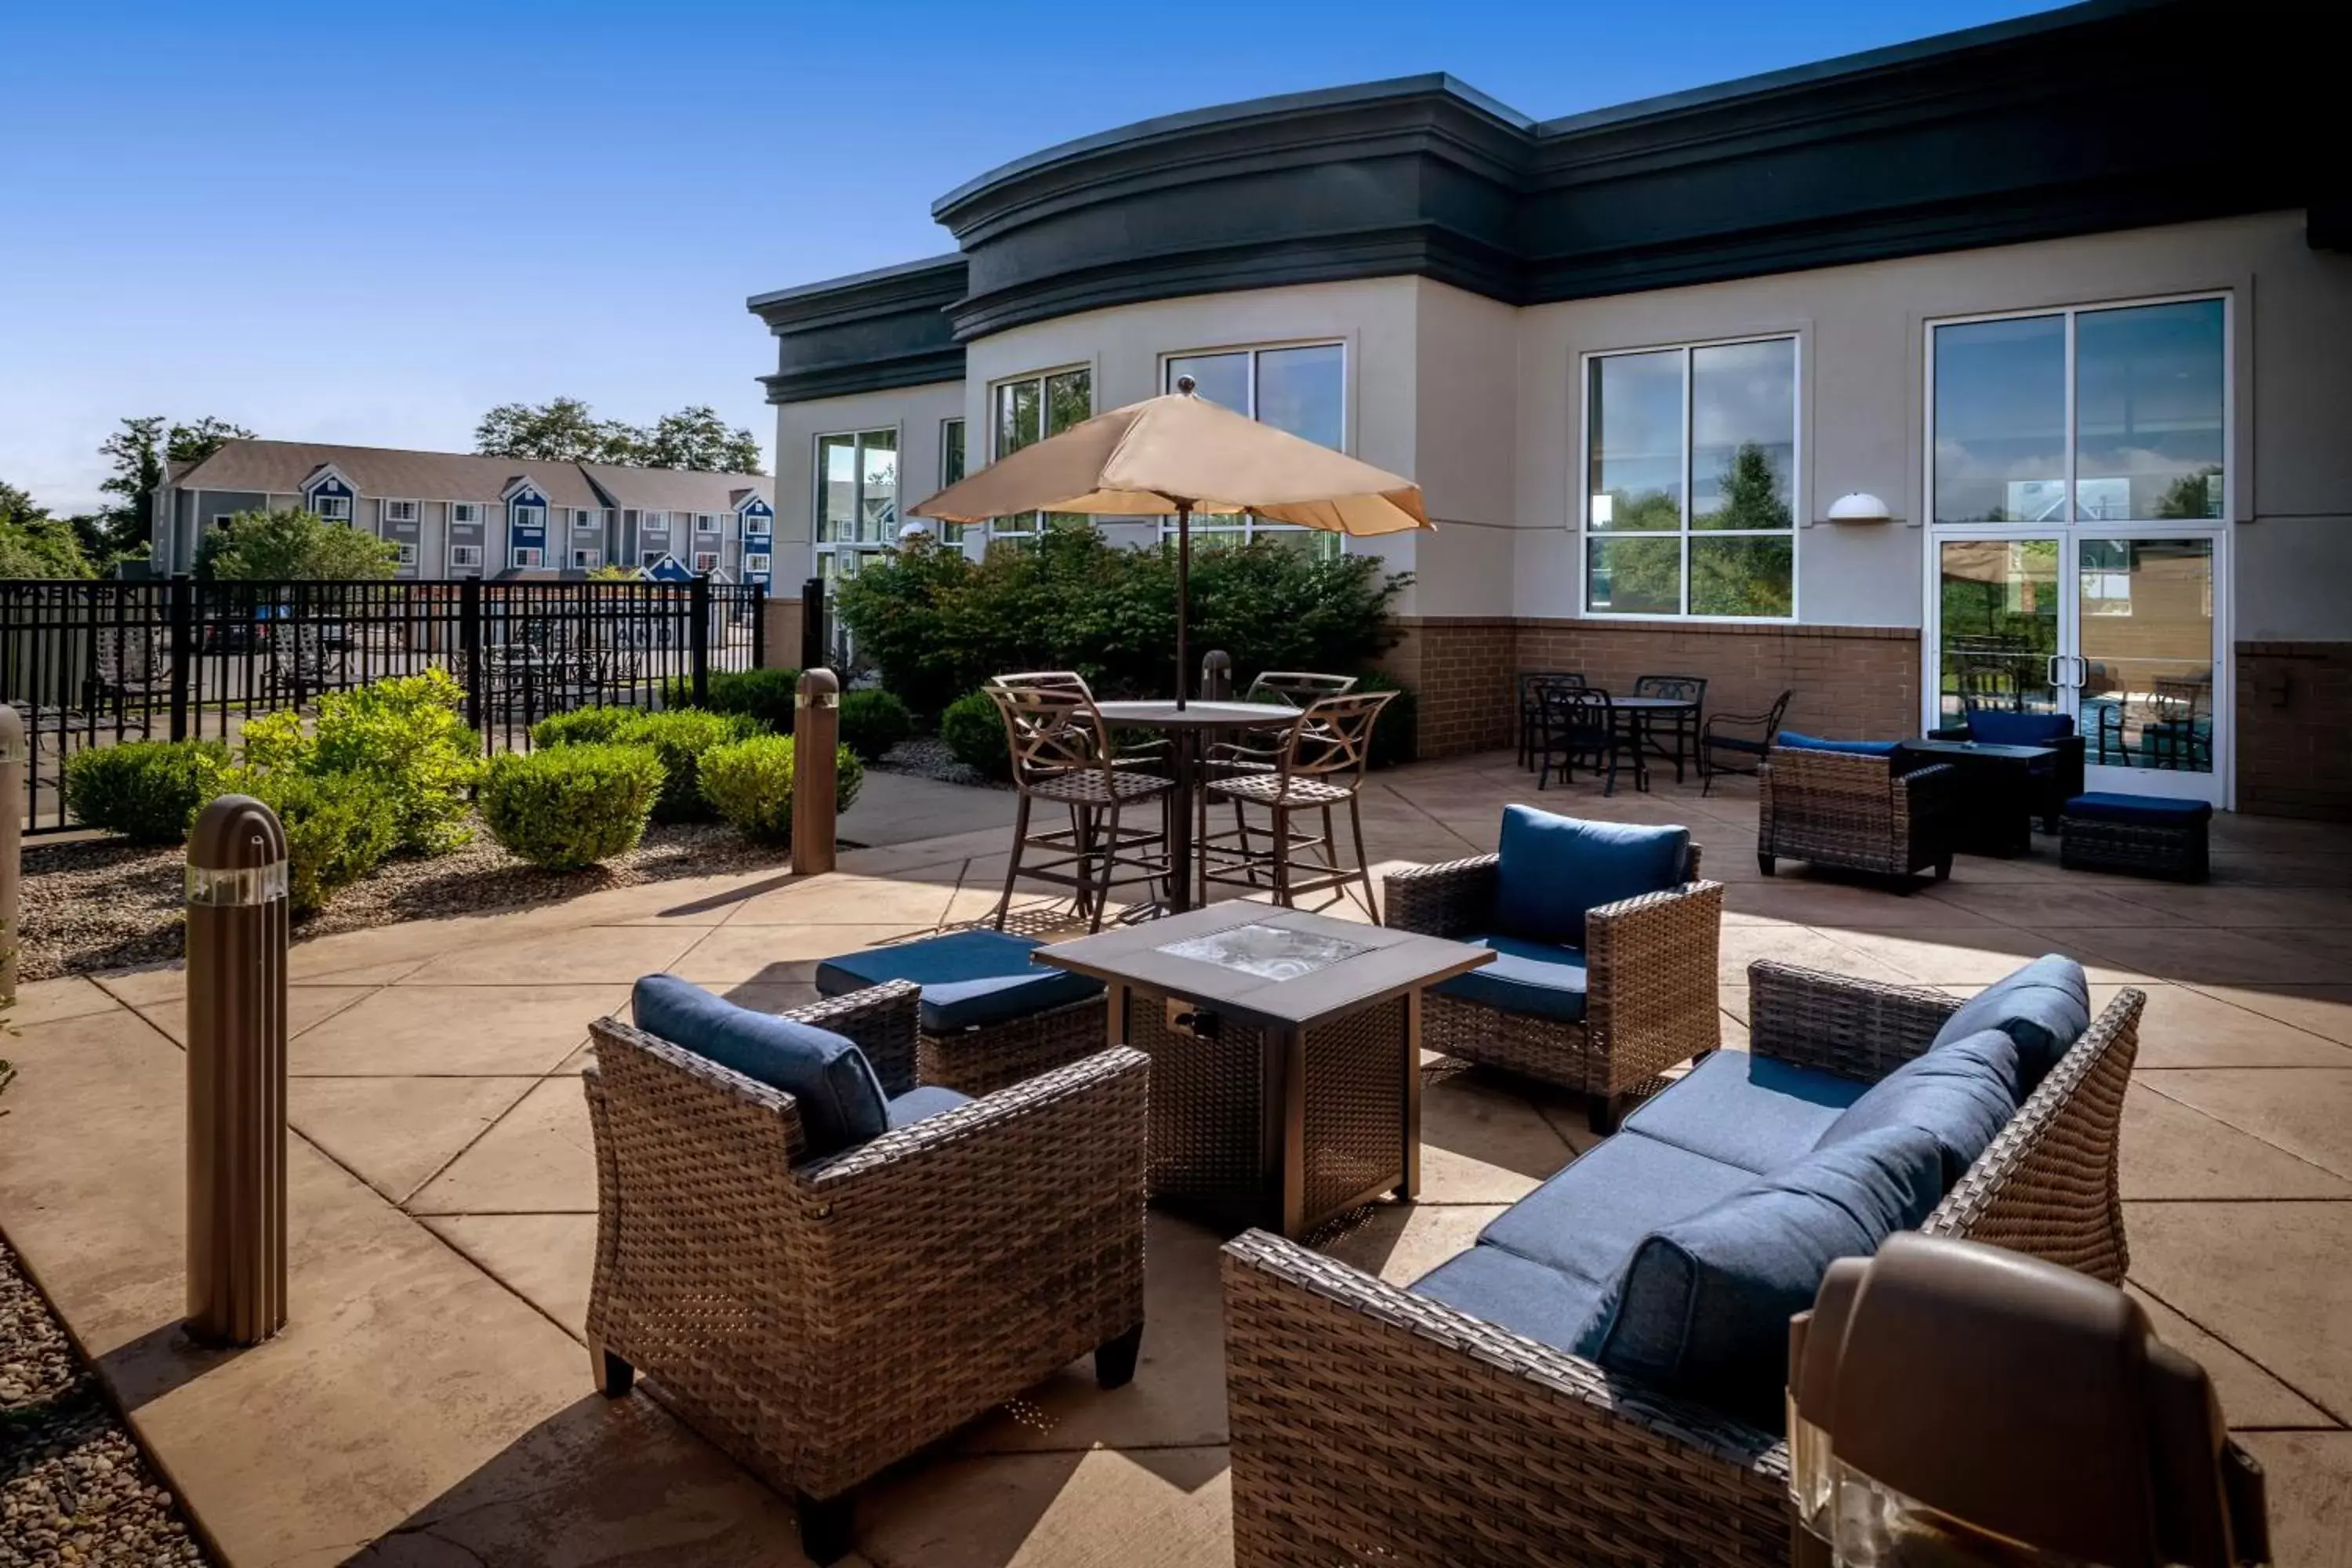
[
  {"x": 1370, "y": 1423},
  {"x": 820, "y": 1319},
  {"x": 1650, "y": 979},
  {"x": 1858, "y": 812}
]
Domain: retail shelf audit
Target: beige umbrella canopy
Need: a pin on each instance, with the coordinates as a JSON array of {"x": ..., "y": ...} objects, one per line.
[{"x": 1184, "y": 454}]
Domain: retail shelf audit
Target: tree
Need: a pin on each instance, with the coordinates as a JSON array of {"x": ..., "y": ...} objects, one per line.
[
  {"x": 563, "y": 431},
  {"x": 289, "y": 544},
  {"x": 139, "y": 451},
  {"x": 192, "y": 444},
  {"x": 33, "y": 544},
  {"x": 697, "y": 438},
  {"x": 566, "y": 430}
]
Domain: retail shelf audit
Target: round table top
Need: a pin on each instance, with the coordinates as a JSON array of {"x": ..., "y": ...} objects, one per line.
[{"x": 1161, "y": 713}]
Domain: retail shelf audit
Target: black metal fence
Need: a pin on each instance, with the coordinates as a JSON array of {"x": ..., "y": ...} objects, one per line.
[{"x": 94, "y": 664}]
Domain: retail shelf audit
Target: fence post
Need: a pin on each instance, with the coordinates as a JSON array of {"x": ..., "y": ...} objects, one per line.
[
  {"x": 759, "y": 625},
  {"x": 182, "y": 610},
  {"x": 817, "y": 733},
  {"x": 13, "y": 758},
  {"x": 236, "y": 898},
  {"x": 813, "y": 648},
  {"x": 698, "y": 634},
  {"x": 469, "y": 646}
]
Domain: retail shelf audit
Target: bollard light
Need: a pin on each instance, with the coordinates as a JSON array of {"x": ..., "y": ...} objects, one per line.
[
  {"x": 236, "y": 895},
  {"x": 13, "y": 758},
  {"x": 1216, "y": 675},
  {"x": 817, "y": 733},
  {"x": 1954, "y": 1403}
]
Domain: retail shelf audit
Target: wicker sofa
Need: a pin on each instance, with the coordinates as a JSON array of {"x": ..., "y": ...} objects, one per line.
[
  {"x": 1873, "y": 812},
  {"x": 1373, "y": 1423},
  {"x": 1650, "y": 984},
  {"x": 821, "y": 1318}
]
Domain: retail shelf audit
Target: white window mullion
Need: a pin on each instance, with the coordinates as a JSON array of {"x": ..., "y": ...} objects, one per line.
[{"x": 1690, "y": 442}]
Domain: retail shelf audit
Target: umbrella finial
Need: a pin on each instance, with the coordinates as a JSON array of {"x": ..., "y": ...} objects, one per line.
[{"x": 1184, "y": 385}]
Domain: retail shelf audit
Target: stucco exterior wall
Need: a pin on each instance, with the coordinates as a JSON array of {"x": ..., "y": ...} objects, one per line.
[{"x": 915, "y": 412}]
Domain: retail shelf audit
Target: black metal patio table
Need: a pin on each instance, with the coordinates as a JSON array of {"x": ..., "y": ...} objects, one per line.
[
  {"x": 1186, "y": 728},
  {"x": 1636, "y": 713},
  {"x": 1998, "y": 786}
]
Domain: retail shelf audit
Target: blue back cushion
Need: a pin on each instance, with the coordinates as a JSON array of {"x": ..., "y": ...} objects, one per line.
[
  {"x": 2044, "y": 1008},
  {"x": 1556, "y": 868},
  {"x": 840, "y": 1099},
  {"x": 1703, "y": 1304},
  {"x": 1996, "y": 728},
  {"x": 1960, "y": 1094},
  {"x": 1796, "y": 743}
]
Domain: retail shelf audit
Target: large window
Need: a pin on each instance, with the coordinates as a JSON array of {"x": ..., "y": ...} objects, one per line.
[
  {"x": 857, "y": 499},
  {"x": 2114, "y": 415},
  {"x": 1026, "y": 412},
  {"x": 1691, "y": 462},
  {"x": 1301, "y": 389},
  {"x": 951, "y": 466}
]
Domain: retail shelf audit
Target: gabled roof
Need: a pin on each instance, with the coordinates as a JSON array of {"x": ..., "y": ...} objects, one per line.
[
  {"x": 281, "y": 468},
  {"x": 674, "y": 489}
]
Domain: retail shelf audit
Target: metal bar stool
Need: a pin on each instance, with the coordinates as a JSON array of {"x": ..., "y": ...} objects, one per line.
[
  {"x": 1319, "y": 768},
  {"x": 1062, "y": 755}
]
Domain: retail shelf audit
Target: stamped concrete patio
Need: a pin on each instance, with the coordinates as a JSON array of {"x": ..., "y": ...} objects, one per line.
[{"x": 431, "y": 1401}]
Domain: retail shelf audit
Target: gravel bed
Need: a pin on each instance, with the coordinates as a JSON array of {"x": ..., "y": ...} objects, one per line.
[
  {"x": 74, "y": 1489},
  {"x": 927, "y": 757},
  {"x": 99, "y": 904}
]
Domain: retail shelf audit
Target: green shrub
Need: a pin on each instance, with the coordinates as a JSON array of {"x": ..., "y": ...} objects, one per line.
[
  {"x": 874, "y": 722},
  {"x": 974, "y": 733},
  {"x": 338, "y": 826},
  {"x": 582, "y": 726},
  {"x": 405, "y": 736},
  {"x": 571, "y": 806},
  {"x": 1394, "y": 737},
  {"x": 937, "y": 624},
  {"x": 762, "y": 696},
  {"x": 144, "y": 790},
  {"x": 680, "y": 738},
  {"x": 749, "y": 783}
]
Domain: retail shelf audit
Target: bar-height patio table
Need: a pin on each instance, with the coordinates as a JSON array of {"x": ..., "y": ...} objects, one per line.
[
  {"x": 1286, "y": 1054},
  {"x": 1187, "y": 727}
]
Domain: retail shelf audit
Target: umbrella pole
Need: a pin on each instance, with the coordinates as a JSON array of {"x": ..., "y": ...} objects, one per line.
[{"x": 1183, "y": 592}]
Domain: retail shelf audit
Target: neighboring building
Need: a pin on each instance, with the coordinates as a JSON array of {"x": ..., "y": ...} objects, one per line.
[
  {"x": 2069, "y": 294},
  {"x": 456, "y": 515}
]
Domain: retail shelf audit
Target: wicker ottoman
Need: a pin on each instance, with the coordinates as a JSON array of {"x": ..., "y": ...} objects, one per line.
[
  {"x": 2139, "y": 835},
  {"x": 989, "y": 1018}
]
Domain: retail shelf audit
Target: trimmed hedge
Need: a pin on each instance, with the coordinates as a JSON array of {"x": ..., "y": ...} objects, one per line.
[
  {"x": 974, "y": 733},
  {"x": 749, "y": 783},
  {"x": 762, "y": 696},
  {"x": 407, "y": 737},
  {"x": 571, "y": 806},
  {"x": 679, "y": 739},
  {"x": 582, "y": 726},
  {"x": 145, "y": 790},
  {"x": 873, "y": 721},
  {"x": 338, "y": 826}
]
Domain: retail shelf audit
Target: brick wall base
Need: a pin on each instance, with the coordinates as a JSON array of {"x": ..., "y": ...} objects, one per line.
[{"x": 2294, "y": 728}]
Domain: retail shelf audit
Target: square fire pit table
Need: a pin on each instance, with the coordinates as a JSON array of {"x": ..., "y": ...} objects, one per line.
[
  {"x": 1999, "y": 785},
  {"x": 1286, "y": 1054}
]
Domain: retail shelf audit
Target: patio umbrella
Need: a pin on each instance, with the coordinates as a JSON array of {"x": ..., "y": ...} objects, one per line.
[{"x": 1185, "y": 454}]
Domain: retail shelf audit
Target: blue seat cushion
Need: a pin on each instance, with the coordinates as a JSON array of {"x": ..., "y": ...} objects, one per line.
[
  {"x": 1702, "y": 1306},
  {"x": 1961, "y": 1094},
  {"x": 2154, "y": 810},
  {"x": 1586, "y": 1220},
  {"x": 1797, "y": 742},
  {"x": 913, "y": 1106},
  {"x": 1554, "y": 868},
  {"x": 970, "y": 978},
  {"x": 840, "y": 1099},
  {"x": 1747, "y": 1110},
  {"x": 1538, "y": 978},
  {"x": 2043, "y": 1007},
  {"x": 1995, "y": 728},
  {"x": 1505, "y": 1290}
]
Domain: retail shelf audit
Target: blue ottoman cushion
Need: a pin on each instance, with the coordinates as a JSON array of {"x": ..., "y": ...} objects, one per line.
[
  {"x": 1960, "y": 1094},
  {"x": 913, "y": 1106},
  {"x": 840, "y": 1099},
  {"x": 1585, "y": 1220},
  {"x": 1747, "y": 1110},
  {"x": 1995, "y": 728},
  {"x": 2044, "y": 1008},
  {"x": 1553, "y": 869},
  {"x": 1703, "y": 1304},
  {"x": 2153, "y": 811},
  {"x": 1505, "y": 1290},
  {"x": 970, "y": 978},
  {"x": 1538, "y": 978},
  {"x": 1794, "y": 742}
]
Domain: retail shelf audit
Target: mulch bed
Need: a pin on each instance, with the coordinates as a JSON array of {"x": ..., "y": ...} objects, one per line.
[
  {"x": 101, "y": 904},
  {"x": 74, "y": 1489}
]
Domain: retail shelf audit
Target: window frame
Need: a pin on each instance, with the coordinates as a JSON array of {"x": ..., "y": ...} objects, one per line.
[
  {"x": 1246, "y": 527},
  {"x": 587, "y": 558},
  {"x": 706, "y": 563},
  {"x": 526, "y": 514},
  {"x": 654, "y": 522},
  {"x": 589, "y": 519},
  {"x": 705, "y": 525},
  {"x": 473, "y": 506},
  {"x": 2068, "y": 312},
  {"x": 415, "y": 510},
  {"x": 819, "y": 546},
  {"x": 761, "y": 561},
  {"x": 458, "y": 565},
  {"x": 317, "y": 502},
  {"x": 407, "y": 549},
  {"x": 1800, "y": 497},
  {"x": 1036, "y": 519},
  {"x": 515, "y": 555}
]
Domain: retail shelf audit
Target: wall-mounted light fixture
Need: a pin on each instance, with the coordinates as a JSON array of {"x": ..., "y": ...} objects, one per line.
[{"x": 1859, "y": 506}]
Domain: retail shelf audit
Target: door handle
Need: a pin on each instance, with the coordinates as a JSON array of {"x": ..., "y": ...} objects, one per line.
[{"x": 2050, "y": 670}]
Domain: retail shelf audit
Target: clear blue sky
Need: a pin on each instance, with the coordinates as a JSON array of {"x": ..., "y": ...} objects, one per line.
[{"x": 370, "y": 222}]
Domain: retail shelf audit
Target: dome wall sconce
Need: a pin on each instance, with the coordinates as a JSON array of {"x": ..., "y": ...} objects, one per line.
[{"x": 1859, "y": 507}]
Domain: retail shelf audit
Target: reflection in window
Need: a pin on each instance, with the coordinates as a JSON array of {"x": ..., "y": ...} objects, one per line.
[
  {"x": 1692, "y": 456},
  {"x": 951, "y": 472},
  {"x": 1302, "y": 390},
  {"x": 2149, "y": 417},
  {"x": 1026, "y": 412},
  {"x": 857, "y": 499}
]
